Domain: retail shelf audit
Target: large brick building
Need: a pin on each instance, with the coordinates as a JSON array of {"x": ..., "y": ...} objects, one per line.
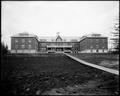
[
  {"x": 24, "y": 43},
  {"x": 93, "y": 43},
  {"x": 28, "y": 43}
]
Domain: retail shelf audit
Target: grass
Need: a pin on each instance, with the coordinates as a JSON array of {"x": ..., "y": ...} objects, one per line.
[
  {"x": 109, "y": 60},
  {"x": 25, "y": 74}
]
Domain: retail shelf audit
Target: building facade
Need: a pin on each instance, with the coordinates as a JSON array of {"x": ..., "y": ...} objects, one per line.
[
  {"x": 58, "y": 45},
  {"x": 93, "y": 43},
  {"x": 24, "y": 43},
  {"x": 28, "y": 43}
]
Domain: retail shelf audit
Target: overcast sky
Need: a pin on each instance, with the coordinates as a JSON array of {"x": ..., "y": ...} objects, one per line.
[{"x": 46, "y": 18}]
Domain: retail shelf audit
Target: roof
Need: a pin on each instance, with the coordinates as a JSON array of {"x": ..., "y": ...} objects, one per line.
[
  {"x": 53, "y": 38},
  {"x": 24, "y": 34},
  {"x": 93, "y": 35},
  {"x": 58, "y": 38}
]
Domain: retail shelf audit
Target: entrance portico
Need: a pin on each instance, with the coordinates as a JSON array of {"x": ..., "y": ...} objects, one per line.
[{"x": 59, "y": 48}]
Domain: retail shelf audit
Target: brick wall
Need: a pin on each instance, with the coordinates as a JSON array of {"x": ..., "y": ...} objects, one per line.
[
  {"x": 94, "y": 43},
  {"x": 24, "y": 43}
]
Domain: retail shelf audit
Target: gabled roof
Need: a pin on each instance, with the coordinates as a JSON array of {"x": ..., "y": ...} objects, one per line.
[{"x": 58, "y": 37}]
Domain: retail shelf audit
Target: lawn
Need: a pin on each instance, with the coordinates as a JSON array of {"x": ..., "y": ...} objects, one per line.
[
  {"x": 103, "y": 59},
  {"x": 30, "y": 74}
]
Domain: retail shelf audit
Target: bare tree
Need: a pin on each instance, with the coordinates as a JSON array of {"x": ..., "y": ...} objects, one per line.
[
  {"x": 4, "y": 49},
  {"x": 115, "y": 38}
]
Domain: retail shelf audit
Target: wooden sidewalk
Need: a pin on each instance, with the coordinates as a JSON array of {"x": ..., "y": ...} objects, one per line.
[{"x": 116, "y": 72}]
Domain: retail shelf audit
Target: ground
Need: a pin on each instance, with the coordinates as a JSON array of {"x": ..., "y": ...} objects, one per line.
[
  {"x": 44, "y": 74},
  {"x": 103, "y": 59}
]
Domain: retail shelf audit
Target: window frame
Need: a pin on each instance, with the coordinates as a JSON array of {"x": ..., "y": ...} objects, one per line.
[{"x": 22, "y": 46}]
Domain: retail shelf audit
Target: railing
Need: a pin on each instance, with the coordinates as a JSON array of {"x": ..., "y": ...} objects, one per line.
[{"x": 59, "y": 46}]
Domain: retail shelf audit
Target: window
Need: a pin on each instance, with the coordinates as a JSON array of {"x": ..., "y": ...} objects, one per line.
[
  {"x": 43, "y": 49},
  {"x": 103, "y": 40},
  {"x": 29, "y": 46},
  {"x": 16, "y": 46},
  {"x": 23, "y": 40},
  {"x": 90, "y": 40},
  {"x": 16, "y": 40},
  {"x": 91, "y": 46},
  {"x": 29, "y": 41},
  {"x": 97, "y": 46},
  {"x": 43, "y": 44},
  {"x": 23, "y": 46},
  {"x": 97, "y": 40}
]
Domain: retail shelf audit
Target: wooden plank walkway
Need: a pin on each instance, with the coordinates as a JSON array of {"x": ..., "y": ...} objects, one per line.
[{"x": 116, "y": 72}]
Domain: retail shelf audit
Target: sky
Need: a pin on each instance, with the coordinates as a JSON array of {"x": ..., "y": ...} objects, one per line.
[{"x": 46, "y": 18}]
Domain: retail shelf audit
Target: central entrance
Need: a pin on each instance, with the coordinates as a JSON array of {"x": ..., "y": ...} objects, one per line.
[
  {"x": 59, "y": 49},
  {"x": 59, "y": 46}
]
